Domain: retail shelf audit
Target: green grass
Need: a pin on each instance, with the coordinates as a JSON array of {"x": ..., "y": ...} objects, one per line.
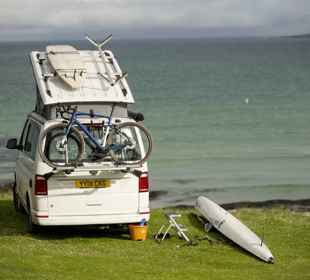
[{"x": 92, "y": 253}]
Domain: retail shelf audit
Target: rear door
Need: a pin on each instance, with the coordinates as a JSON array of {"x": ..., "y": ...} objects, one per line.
[
  {"x": 90, "y": 190},
  {"x": 81, "y": 193}
]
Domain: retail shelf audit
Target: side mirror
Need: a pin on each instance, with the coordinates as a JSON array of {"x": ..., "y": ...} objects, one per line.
[
  {"x": 12, "y": 144},
  {"x": 138, "y": 117}
]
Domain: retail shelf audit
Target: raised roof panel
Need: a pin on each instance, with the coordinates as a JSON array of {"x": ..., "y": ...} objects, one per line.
[{"x": 96, "y": 86}]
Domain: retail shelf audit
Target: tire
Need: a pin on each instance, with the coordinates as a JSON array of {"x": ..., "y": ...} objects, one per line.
[
  {"x": 130, "y": 152},
  {"x": 17, "y": 202},
  {"x": 31, "y": 227},
  {"x": 75, "y": 138}
]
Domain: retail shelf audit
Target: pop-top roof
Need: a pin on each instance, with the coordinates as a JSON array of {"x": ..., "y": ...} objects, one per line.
[{"x": 104, "y": 80}]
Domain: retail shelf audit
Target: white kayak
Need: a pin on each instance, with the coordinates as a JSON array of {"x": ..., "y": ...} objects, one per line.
[
  {"x": 233, "y": 229},
  {"x": 68, "y": 64}
]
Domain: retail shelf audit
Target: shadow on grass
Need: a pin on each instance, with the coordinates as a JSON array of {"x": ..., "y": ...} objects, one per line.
[
  {"x": 15, "y": 224},
  {"x": 215, "y": 236},
  {"x": 11, "y": 223},
  {"x": 63, "y": 232}
]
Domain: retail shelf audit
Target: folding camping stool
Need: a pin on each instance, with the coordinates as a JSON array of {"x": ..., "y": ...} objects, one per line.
[{"x": 172, "y": 223}]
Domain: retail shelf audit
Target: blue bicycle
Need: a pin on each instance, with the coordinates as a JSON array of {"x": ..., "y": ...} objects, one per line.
[{"x": 71, "y": 142}]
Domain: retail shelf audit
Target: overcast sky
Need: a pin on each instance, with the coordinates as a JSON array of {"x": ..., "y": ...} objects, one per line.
[{"x": 59, "y": 19}]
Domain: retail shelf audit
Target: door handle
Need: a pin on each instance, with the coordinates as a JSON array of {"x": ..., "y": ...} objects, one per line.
[{"x": 30, "y": 183}]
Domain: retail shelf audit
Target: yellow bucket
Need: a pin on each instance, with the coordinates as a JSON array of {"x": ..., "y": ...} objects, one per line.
[{"x": 138, "y": 232}]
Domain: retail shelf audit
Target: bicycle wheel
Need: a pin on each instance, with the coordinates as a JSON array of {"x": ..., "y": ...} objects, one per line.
[
  {"x": 60, "y": 150},
  {"x": 130, "y": 143}
]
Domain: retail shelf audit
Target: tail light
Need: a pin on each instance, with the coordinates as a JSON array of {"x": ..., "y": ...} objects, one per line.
[
  {"x": 40, "y": 187},
  {"x": 144, "y": 182}
]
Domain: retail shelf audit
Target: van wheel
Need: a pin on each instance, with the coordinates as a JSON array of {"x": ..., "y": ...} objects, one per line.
[
  {"x": 17, "y": 202},
  {"x": 31, "y": 227}
]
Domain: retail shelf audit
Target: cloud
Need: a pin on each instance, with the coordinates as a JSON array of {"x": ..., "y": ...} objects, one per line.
[{"x": 31, "y": 18}]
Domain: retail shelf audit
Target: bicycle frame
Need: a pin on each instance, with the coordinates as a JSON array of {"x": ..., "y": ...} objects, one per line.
[{"x": 74, "y": 121}]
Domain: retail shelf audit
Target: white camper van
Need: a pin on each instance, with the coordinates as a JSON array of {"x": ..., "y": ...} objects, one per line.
[{"x": 89, "y": 192}]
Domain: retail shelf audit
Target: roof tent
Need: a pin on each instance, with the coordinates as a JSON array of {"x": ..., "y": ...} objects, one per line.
[{"x": 103, "y": 79}]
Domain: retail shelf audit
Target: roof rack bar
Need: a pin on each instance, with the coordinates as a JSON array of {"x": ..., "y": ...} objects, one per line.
[
  {"x": 104, "y": 77},
  {"x": 102, "y": 54},
  {"x": 46, "y": 78},
  {"x": 119, "y": 78}
]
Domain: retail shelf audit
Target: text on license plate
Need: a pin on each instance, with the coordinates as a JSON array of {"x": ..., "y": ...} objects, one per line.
[{"x": 100, "y": 183}]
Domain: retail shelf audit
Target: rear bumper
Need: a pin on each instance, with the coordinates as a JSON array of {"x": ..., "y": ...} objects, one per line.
[{"x": 90, "y": 219}]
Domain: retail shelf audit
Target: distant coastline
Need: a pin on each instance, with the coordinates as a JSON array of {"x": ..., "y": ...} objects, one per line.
[
  {"x": 307, "y": 35},
  {"x": 80, "y": 41}
]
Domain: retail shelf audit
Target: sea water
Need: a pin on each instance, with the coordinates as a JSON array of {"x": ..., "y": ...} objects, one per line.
[{"x": 230, "y": 118}]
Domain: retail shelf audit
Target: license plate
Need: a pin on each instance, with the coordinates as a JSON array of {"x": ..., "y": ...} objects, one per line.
[{"x": 100, "y": 183}]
